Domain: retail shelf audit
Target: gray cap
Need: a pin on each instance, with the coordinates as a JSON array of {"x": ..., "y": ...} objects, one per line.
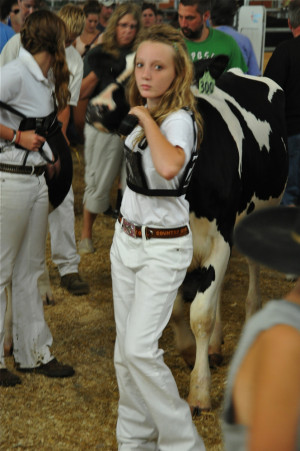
[
  {"x": 107, "y": 3},
  {"x": 271, "y": 237}
]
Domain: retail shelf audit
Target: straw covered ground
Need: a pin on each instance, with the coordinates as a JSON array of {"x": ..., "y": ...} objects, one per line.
[{"x": 80, "y": 413}]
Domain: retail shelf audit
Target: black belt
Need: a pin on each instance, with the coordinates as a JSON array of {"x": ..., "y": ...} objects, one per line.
[
  {"x": 151, "y": 232},
  {"x": 16, "y": 169}
]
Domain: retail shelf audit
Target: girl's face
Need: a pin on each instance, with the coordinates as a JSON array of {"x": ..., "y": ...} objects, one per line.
[
  {"x": 91, "y": 22},
  {"x": 154, "y": 70},
  {"x": 126, "y": 30}
]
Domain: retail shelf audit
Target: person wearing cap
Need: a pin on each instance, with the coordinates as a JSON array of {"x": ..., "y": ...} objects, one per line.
[
  {"x": 221, "y": 18},
  {"x": 284, "y": 68},
  {"x": 107, "y": 8},
  {"x": 262, "y": 397},
  {"x": 205, "y": 42}
]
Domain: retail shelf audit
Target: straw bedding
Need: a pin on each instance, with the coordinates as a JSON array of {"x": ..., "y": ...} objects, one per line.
[{"x": 80, "y": 413}]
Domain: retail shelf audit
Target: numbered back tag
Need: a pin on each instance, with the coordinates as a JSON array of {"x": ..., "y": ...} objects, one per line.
[{"x": 206, "y": 84}]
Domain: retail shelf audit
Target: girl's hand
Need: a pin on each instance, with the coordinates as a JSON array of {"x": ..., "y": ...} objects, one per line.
[
  {"x": 30, "y": 140},
  {"x": 167, "y": 159},
  {"x": 142, "y": 114}
]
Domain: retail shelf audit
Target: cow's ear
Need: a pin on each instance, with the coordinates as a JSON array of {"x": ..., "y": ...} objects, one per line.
[
  {"x": 105, "y": 64},
  {"x": 216, "y": 66}
]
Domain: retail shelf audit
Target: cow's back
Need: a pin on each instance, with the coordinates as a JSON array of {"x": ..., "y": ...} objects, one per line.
[{"x": 243, "y": 155}]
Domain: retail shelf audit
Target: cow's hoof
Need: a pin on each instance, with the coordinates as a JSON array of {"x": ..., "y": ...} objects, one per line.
[
  {"x": 215, "y": 360},
  {"x": 196, "y": 411},
  {"x": 47, "y": 300}
]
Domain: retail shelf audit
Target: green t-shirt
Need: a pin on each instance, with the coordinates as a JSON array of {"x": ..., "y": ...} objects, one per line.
[{"x": 217, "y": 43}]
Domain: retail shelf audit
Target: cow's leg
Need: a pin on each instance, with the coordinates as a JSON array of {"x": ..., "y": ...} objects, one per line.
[
  {"x": 8, "y": 339},
  {"x": 253, "y": 299},
  {"x": 216, "y": 339},
  {"x": 184, "y": 339},
  {"x": 202, "y": 318}
]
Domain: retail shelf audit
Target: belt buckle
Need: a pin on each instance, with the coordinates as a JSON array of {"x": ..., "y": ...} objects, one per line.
[
  {"x": 148, "y": 233},
  {"x": 129, "y": 228}
]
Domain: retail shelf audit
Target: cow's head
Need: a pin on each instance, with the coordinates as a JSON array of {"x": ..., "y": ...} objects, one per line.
[
  {"x": 109, "y": 107},
  {"x": 105, "y": 65}
]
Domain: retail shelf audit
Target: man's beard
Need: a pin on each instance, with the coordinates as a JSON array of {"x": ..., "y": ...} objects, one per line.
[{"x": 192, "y": 35}]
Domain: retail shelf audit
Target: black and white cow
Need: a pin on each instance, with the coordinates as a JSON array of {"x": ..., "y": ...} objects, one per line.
[{"x": 242, "y": 166}]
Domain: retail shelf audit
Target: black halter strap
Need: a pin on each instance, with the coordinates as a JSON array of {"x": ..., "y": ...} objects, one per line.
[{"x": 39, "y": 124}]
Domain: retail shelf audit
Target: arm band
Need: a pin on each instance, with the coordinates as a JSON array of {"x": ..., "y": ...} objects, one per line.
[{"x": 14, "y": 137}]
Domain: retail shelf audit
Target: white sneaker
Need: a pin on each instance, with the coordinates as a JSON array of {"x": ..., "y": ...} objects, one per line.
[{"x": 86, "y": 247}]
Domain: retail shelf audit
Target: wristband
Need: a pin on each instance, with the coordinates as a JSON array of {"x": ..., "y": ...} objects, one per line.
[
  {"x": 17, "y": 140},
  {"x": 14, "y": 137}
]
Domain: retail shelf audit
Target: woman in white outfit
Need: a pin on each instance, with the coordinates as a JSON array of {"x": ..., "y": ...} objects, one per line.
[
  {"x": 25, "y": 86},
  {"x": 152, "y": 245}
]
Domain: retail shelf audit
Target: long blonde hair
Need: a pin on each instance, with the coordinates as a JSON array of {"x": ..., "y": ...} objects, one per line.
[
  {"x": 45, "y": 31},
  {"x": 179, "y": 94},
  {"x": 109, "y": 43}
]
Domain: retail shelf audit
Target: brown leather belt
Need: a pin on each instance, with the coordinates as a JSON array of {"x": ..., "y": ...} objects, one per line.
[
  {"x": 151, "y": 232},
  {"x": 16, "y": 169}
]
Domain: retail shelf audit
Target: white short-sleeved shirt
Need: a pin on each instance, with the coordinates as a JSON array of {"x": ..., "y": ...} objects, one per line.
[
  {"x": 162, "y": 212},
  {"x": 24, "y": 87},
  {"x": 74, "y": 61},
  {"x": 75, "y": 66}
]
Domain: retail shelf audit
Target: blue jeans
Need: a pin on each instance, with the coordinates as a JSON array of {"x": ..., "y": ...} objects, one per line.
[{"x": 292, "y": 192}]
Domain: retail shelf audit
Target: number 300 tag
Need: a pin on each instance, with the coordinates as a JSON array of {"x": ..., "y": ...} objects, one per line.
[{"x": 206, "y": 84}]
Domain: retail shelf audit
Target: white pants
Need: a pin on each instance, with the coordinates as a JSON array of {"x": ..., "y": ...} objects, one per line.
[
  {"x": 23, "y": 228},
  {"x": 63, "y": 244},
  {"x": 146, "y": 275}
]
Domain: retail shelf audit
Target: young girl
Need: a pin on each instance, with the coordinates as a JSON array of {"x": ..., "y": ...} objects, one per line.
[
  {"x": 25, "y": 86},
  {"x": 152, "y": 245}
]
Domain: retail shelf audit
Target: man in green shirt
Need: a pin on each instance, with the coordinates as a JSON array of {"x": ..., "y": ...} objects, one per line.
[{"x": 202, "y": 41}]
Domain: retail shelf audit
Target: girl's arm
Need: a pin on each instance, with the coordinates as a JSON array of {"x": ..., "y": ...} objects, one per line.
[
  {"x": 64, "y": 117},
  {"x": 276, "y": 391},
  {"x": 27, "y": 139},
  {"x": 88, "y": 85},
  {"x": 167, "y": 159}
]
